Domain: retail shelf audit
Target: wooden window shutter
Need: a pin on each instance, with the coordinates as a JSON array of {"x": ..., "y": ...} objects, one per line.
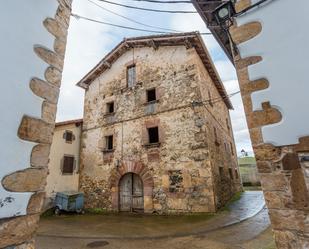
[{"x": 68, "y": 164}]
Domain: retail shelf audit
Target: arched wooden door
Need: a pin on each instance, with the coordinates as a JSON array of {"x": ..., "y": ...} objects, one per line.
[{"x": 131, "y": 197}]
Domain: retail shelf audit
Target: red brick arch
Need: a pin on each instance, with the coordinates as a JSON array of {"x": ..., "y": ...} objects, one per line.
[{"x": 139, "y": 169}]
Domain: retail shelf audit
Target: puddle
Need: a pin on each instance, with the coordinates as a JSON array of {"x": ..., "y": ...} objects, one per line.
[{"x": 95, "y": 244}]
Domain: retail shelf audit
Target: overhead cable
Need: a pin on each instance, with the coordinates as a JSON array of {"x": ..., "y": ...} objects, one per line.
[
  {"x": 176, "y": 1},
  {"x": 125, "y": 27},
  {"x": 116, "y": 25},
  {"x": 158, "y": 1},
  {"x": 218, "y": 99},
  {"x": 147, "y": 9},
  {"x": 130, "y": 19}
]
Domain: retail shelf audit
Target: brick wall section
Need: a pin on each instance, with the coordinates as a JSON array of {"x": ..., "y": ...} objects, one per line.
[
  {"x": 187, "y": 151},
  {"x": 283, "y": 177},
  {"x": 18, "y": 232}
]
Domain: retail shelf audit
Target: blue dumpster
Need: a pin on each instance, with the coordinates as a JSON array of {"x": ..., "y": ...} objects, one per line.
[{"x": 69, "y": 201}]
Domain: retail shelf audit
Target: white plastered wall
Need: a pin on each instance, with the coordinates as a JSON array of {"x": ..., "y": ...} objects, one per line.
[
  {"x": 56, "y": 181},
  {"x": 283, "y": 45},
  {"x": 21, "y": 26}
]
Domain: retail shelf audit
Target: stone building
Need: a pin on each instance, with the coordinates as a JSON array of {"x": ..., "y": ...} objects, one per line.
[
  {"x": 157, "y": 135},
  {"x": 272, "y": 68},
  {"x": 32, "y": 50},
  {"x": 64, "y": 160}
]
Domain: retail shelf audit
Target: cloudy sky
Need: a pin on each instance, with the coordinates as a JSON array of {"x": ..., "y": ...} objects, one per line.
[{"x": 88, "y": 42}]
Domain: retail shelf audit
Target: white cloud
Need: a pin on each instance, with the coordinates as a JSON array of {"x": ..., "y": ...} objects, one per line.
[{"x": 87, "y": 43}]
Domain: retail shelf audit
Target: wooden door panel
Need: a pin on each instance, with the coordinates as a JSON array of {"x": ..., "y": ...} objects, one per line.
[
  {"x": 126, "y": 193},
  {"x": 138, "y": 198}
]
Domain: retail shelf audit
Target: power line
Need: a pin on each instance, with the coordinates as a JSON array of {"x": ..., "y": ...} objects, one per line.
[
  {"x": 147, "y": 9},
  {"x": 176, "y": 1},
  {"x": 132, "y": 20},
  {"x": 218, "y": 99},
  {"x": 116, "y": 25},
  {"x": 158, "y": 1},
  {"x": 125, "y": 27}
]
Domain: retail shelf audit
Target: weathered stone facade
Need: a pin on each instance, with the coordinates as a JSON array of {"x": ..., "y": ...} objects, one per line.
[
  {"x": 193, "y": 167},
  {"x": 18, "y": 232},
  {"x": 283, "y": 169}
]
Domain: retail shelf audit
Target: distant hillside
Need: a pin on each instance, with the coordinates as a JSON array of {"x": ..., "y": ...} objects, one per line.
[{"x": 246, "y": 160}]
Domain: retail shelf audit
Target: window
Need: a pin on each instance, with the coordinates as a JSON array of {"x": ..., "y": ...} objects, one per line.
[
  {"x": 221, "y": 172},
  {"x": 153, "y": 135},
  {"x": 68, "y": 165},
  {"x": 236, "y": 173},
  {"x": 68, "y": 136},
  {"x": 227, "y": 124},
  {"x": 110, "y": 107},
  {"x": 151, "y": 95},
  {"x": 109, "y": 142},
  {"x": 131, "y": 75},
  {"x": 231, "y": 173},
  {"x": 209, "y": 99},
  {"x": 232, "y": 151},
  {"x": 216, "y": 137}
]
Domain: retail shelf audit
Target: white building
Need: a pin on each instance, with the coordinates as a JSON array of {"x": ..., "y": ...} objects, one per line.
[{"x": 64, "y": 159}]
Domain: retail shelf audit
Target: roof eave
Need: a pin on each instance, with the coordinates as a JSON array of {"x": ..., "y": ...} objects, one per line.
[{"x": 130, "y": 42}]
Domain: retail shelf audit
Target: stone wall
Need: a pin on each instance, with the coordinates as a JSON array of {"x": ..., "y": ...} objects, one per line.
[
  {"x": 33, "y": 50},
  {"x": 283, "y": 168},
  {"x": 182, "y": 173}
]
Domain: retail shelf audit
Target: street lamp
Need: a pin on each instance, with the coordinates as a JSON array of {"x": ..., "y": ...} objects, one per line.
[{"x": 224, "y": 13}]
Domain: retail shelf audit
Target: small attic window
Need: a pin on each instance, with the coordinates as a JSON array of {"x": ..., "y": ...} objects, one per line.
[
  {"x": 110, "y": 107},
  {"x": 151, "y": 95},
  {"x": 68, "y": 136},
  {"x": 131, "y": 75}
]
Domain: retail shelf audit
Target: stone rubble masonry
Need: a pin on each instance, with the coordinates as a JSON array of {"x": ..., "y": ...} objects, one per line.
[
  {"x": 181, "y": 174},
  {"x": 18, "y": 232},
  {"x": 284, "y": 176}
]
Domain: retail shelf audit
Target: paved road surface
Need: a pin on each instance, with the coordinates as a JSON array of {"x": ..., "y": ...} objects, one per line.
[{"x": 246, "y": 225}]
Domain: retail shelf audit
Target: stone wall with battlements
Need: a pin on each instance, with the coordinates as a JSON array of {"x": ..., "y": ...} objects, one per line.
[
  {"x": 272, "y": 70},
  {"x": 32, "y": 51}
]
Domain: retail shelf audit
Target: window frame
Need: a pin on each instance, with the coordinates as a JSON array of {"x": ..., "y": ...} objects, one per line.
[
  {"x": 65, "y": 136},
  {"x": 108, "y": 139},
  {"x": 157, "y": 135},
  {"x": 155, "y": 95},
  {"x": 108, "y": 105},
  {"x": 63, "y": 164},
  {"x": 228, "y": 124},
  {"x": 221, "y": 172},
  {"x": 134, "y": 76},
  {"x": 232, "y": 149},
  {"x": 231, "y": 173},
  {"x": 236, "y": 173},
  {"x": 216, "y": 136}
]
